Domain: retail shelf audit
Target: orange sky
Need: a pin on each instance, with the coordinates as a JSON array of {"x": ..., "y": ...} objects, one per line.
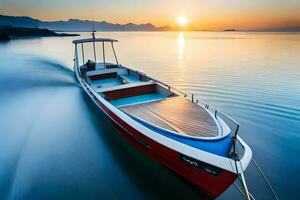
[{"x": 201, "y": 14}]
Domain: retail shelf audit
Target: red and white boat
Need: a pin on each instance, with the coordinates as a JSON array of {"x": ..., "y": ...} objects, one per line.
[{"x": 191, "y": 138}]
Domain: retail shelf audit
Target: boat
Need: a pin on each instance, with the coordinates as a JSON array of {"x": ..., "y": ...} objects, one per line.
[{"x": 188, "y": 136}]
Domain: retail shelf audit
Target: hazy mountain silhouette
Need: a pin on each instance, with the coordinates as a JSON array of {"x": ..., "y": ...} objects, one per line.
[{"x": 75, "y": 25}]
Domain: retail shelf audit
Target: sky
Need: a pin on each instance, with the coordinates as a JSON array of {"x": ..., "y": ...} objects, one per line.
[{"x": 200, "y": 14}]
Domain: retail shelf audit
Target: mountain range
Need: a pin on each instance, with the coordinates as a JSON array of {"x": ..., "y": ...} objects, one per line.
[
  {"x": 76, "y": 25},
  {"x": 87, "y": 25}
]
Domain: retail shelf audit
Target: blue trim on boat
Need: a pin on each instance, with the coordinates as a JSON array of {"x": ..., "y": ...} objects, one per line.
[
  {"x": 219, "y": 147},
  {"x": 137, "y": 99}
]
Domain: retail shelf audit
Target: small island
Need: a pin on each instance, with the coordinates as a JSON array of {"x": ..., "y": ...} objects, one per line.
[
  {"x": 9, "y": 32},
  {"x": 229, "y": 30}
]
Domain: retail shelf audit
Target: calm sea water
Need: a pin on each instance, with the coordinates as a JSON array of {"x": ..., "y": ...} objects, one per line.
[{"x": 55, "y": 145}]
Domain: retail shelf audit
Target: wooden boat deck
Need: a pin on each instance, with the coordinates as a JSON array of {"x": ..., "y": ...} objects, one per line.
[{"x": 176, "y": 114}]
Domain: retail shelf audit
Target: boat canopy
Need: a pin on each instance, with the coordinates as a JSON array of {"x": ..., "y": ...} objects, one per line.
[
  {"x": 94, "y": 40},
  {"x": 80, "y": 43}
]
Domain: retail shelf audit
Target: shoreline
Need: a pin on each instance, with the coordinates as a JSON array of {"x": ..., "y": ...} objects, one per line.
[{"x": 7, "y": 33}]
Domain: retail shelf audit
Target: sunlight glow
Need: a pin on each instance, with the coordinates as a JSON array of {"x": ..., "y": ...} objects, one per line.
[{"x": 182, "y": 20}]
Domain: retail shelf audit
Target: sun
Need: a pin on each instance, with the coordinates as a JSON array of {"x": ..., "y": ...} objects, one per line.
[{"x": 182, "y": 20}]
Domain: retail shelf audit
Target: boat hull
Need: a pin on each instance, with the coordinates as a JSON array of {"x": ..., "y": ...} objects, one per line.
[{"x": 212, "y": 181}]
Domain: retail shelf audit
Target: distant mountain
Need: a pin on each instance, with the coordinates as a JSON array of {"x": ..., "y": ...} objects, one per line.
[
  {"x": 18, "y": 21},
  {"x": 75, "y": 25}
]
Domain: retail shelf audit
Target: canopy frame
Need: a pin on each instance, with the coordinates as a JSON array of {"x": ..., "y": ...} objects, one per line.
[{"x": 94, "y": 40}]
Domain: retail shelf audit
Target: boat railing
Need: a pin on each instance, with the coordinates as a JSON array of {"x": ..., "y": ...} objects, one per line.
[{"x": 231, "y": 123}]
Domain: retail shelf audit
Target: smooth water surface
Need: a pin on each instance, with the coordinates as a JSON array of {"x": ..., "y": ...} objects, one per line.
[{"x": 55, "y": 145}]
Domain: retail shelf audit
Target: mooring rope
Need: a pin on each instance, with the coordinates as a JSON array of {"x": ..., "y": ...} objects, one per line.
[
  {"x": 244, "y": 181},
  {"x": 247, "y": 195},
  {"x": 265, "y": 178},
  {"x": 242, "y": 193},
  {"x": 240, "y": 190}
]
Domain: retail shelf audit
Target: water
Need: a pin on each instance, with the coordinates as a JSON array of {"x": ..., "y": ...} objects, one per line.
[{"x": 55, "y": 145}]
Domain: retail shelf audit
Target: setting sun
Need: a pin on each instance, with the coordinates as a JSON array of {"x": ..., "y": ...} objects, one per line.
[{"x": 182, "y": 20}]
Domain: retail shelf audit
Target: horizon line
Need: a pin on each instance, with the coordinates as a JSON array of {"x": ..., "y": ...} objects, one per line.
[{"x": 172, "y": 28}]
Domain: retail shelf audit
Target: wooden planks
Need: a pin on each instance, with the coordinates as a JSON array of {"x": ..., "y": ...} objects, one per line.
[{"x": 176, "y": 114}]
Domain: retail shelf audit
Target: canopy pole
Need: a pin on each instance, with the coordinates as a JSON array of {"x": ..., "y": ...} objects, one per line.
[
  {"x": 112, "y": 45},
  {"x": 82, "y": 52},
  {"x": 94, "y": 52},
  {"x": 76, "y": 58},
  {"x": 103, "y": 50}
]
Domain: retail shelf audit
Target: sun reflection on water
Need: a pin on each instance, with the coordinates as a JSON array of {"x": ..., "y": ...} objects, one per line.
[{"x": 181, "y": 43}]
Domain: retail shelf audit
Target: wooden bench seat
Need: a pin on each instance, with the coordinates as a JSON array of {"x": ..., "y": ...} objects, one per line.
[{"x": 129, "y": 90}]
